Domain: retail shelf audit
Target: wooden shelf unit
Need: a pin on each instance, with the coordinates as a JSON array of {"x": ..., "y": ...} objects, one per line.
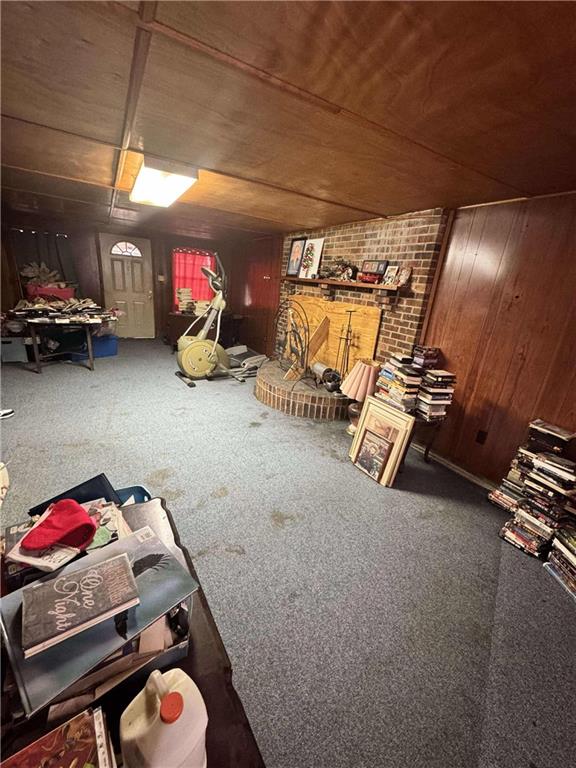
[{"x": 329, "y": 285}]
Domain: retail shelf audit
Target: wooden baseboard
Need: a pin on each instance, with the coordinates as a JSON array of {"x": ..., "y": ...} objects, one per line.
[{"x": 481, "y": 481}]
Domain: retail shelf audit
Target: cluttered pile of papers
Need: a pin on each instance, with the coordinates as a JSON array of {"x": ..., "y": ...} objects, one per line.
[{"x": 61, "y": 311}]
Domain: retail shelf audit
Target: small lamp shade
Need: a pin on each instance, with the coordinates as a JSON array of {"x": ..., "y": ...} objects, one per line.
[{"x": 361, "y": 381}]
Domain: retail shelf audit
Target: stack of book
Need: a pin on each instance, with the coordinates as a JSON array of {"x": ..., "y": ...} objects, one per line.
[
  {"x": 184, "y": 298},
  {"x": 399, "y": 382},
  {"x": 86, "y": 625},
  {"x": 435, "y": 394},
  {"x": 562, "y": 558},
  {"x": 426, "y": 357},
  {"x": 539, "y": 491}
]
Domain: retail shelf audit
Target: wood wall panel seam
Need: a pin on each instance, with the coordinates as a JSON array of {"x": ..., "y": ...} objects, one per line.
[{"x": 299, "y": 93}]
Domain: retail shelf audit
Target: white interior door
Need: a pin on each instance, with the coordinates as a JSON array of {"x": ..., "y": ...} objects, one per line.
[{"x": 128, "y": 284}]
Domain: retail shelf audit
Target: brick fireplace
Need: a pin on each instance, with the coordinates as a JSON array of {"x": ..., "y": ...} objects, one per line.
[{"x": 413, "y": 239}]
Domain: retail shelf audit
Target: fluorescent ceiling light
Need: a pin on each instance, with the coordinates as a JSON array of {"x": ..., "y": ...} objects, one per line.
[{"x": 161, "y": 183}]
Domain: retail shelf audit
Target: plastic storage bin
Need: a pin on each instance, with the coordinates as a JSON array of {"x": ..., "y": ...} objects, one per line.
[
  {"x": 14, "y": 350},
  {"x": 140, "y": 494},
  {"x": 47, "y": 292},
  {"x": 103, "y": 346}
]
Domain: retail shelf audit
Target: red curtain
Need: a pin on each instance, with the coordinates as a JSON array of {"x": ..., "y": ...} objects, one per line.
[{"x": 186, "y": 263}]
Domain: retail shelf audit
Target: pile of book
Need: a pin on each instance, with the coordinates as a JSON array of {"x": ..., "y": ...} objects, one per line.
[
  {"x": 540, "y": 492},
  {"x": 435, "y": 394},
  {"x": 562, "y": 558},
  {"x": 426, "y": 357},
  {"x": 399, "y": 382},
  {"x": 75, "y": 624}
]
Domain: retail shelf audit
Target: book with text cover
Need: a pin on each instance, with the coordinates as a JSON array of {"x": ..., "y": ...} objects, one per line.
[
  {"x": 74, "y": 743},
  {"x": 55, "y": 610},
  {"x": 162, "y": 584}
]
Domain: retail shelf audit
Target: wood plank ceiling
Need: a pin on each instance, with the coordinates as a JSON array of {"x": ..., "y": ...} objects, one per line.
[{"x": 300, "y": 115}]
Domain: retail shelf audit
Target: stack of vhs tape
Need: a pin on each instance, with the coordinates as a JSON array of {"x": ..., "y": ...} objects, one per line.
[{"x": 540, "y": 492}]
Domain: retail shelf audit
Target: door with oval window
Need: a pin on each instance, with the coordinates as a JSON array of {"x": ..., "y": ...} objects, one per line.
[{"x": 128, "y": 284}]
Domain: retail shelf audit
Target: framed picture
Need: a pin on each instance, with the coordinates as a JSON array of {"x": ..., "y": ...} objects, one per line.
[
  {"x": 388, "y": 433},
  {"x": 404, "y": 275},
  {"x": 374, "y": 266},
  {"x": 373, "y": 454},
  {"x": 295, "y": 258},
  {"x": 310, "y": 264},
  {"x": 391, "y": 275}
]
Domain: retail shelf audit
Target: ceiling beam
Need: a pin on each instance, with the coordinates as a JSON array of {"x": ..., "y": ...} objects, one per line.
[{"x": 139, "y": 57}]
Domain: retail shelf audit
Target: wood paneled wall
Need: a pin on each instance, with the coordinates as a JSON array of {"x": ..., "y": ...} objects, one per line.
[
  {"x": 254, "y": 288},
  {"x": 10, "y": 283},
  {"x": 505, "y": 318}
]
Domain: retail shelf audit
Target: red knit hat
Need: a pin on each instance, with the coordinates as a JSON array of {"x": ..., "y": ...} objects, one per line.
[{"x": 68, "y": 523}]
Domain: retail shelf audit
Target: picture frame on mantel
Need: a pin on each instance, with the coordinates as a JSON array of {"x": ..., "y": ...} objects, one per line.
[
  {"x": 310, "y": 264},
  {"x": 382, "y": 434},
  {"x": 295, "y": 258}
]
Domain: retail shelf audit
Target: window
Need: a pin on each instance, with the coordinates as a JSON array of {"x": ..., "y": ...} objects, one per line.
[
  {"x": 123, "y": 248},
  {"x": 186, "y": 264}
]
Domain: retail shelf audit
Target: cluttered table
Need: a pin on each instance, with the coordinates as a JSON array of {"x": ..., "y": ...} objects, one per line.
[
  {"x": 35, "y": 327},
  {"x": 40, "y": 316},
  {"x": 230, "y": 742}
]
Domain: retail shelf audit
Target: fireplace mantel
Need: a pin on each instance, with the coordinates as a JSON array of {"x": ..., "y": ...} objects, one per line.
[{"x": 382, "y": 293}]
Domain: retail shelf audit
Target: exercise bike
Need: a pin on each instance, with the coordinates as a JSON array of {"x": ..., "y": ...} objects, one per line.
[{"x": 202, "y": 358}]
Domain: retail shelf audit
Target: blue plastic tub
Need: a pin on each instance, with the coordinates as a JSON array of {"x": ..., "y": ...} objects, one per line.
[
  {"x": 140, "y": 494},
  {"x": 103, "y": 346}
]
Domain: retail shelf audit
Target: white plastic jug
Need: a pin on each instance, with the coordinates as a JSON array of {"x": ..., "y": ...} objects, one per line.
[{"x": 165, "y": 725}]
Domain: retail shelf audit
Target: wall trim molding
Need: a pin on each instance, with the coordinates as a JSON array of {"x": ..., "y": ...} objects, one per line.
[{"x": 480, "y": 481}]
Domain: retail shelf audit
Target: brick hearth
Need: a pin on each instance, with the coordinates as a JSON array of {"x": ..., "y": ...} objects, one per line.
[{"x": 297, "y": 399}]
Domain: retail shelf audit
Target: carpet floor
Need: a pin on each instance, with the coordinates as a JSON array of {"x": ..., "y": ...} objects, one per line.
[{"x": 367, "y": 627}]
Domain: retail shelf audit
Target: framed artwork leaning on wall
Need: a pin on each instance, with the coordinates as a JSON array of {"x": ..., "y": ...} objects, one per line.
[
  {"x": 380, "y": 440},
  {"x": 373, "y": 454},
  {"x": 310, "y": 264},
  {"x": 295, "y": 257}
]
